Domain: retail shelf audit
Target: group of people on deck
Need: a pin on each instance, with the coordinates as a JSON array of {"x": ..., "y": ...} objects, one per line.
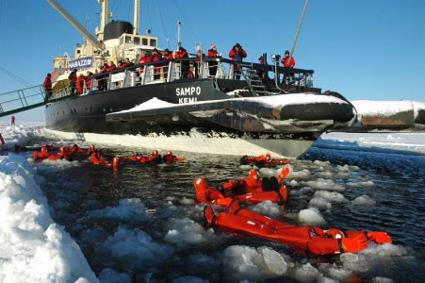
[{"x": 237, "y": 53}]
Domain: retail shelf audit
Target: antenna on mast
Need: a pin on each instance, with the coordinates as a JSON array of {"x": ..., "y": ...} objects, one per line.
[
  {"x": 104, "y": 17},
  {"x": 179, "y": 43}
]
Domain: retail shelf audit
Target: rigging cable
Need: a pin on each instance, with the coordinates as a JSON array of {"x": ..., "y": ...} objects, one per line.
[
  {"x": 15, "y": 77},
  {"x": 164, "y": 30}
]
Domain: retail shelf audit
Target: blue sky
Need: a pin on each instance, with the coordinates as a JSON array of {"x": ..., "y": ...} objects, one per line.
[{"x": 364, "y": 49}]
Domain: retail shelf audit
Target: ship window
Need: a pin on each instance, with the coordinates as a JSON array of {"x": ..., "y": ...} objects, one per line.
[
  {"x": 153, "y": 42},
  {"x": 121, "y": 40},
  {"x": 137, "y": 40},
  {"x": 127, "y": 39},
  {"x": 144, "y": 41}
]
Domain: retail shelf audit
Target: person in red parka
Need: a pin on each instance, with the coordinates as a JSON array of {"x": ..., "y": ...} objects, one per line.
[
  {"x": 145, "y": 58},
  {"x": 156, "y": 57},
  {"x": 237, "y": 53},
  {"x": 213, "y": 55},
  {"x": 168, "y": 55},
  {"x": 79, "y": 87},
  {"x": 182, "y": 54},
  {"x": 47, "y": 85},
  {"x": 288, "y": 62}
]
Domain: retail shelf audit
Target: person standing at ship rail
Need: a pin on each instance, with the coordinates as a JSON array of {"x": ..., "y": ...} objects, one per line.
[
  {"x": 237, "y": 53},
  {"x": 213, "y": 55},
  {"x": 47, "y": 85},
  {"x": 289, "y": 63},
  {"x": 72, "y": 77}
]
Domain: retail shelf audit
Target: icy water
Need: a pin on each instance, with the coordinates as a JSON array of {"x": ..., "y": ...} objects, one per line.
[{"x": 142, "y": 223}]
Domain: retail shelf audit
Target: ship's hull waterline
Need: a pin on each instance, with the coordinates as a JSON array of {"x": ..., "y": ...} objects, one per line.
[{"x": 195, "y": 143}]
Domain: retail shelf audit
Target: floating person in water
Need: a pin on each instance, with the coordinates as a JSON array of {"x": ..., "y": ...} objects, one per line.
[{"x": 237, "y": 53}]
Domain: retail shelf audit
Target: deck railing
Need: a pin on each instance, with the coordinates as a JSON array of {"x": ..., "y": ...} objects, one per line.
[{"x": 192, "y": 68}]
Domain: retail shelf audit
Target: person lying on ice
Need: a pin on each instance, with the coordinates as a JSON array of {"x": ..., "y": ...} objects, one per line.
[
  {"x": 262, "y": 160},
  {"x": 305, "y": 239},
  {"x": 250, "y": 190}
]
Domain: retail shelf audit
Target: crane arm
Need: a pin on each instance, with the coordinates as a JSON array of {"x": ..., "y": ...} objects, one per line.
[{"x": 84, "y": 32}]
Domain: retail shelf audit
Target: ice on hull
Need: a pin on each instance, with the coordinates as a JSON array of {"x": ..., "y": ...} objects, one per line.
[{"x": 194, "y": 142}]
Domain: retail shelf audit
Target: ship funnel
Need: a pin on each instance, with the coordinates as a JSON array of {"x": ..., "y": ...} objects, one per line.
[{"x": 136, "y": 20}]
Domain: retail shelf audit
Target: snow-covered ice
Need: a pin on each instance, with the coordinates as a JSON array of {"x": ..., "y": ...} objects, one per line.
[{"x": 28, "y": 236}]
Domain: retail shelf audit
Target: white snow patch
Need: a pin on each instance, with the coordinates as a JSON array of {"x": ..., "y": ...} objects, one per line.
[
  {"x": 311, "y": 216},
  {"x": 17, "y": 134},
  {"x": 32, "y": 247},
  {"x": 364, "y": 200},
  {"x": 248, "y": 263}
]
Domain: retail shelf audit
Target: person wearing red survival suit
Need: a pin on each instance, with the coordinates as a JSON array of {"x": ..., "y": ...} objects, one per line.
[
  {"x": 213, "y": 55},
  {"x": 168, "y": 55},
  {"x": 88, "y": 79},
  {"x": 252, "y": 193},
  {"x": 156, "y": 57},
  {"x": 237, "y": 53},
  {"x": 72, "y": 80},
  {"x": 288, "y": 61},
  {"x": 305, "y": 239},
  {"x": 169, "y": 158},
  {"x": 185, "y": 69},
  {"x": 47, "y": 85},
  {"x": 145, "y": 58},
  {"x": 79, "y": 87}
]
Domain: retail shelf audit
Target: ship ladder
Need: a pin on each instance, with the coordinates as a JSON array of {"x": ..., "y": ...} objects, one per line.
[{"x": 255, "y": 83}]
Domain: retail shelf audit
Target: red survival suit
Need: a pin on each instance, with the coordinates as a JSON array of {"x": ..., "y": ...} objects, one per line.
[
  {"x": 262, "y": 160},
  {"x": 313, "y": 240},
  {"x": 249, "y": 190}
]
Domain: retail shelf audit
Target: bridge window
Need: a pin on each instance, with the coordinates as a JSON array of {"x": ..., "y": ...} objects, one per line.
[
  {"x": 127, "y": 39},
  {"x": 153, "y": 42},
  {"x": 144, "y": 41},
  {"x": 137, "y": 40}
]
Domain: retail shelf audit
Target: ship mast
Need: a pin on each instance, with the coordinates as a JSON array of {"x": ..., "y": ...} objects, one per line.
[
  {"x": 136, "y": 19},
  {"x": 104, "y": 17}
]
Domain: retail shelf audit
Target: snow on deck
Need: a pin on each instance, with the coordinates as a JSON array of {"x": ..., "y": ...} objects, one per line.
[
  {"x": 275, "y": 101},
  {"x": 32, "y": 247}
]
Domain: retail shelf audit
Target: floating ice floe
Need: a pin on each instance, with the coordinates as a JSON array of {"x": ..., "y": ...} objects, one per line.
[
  {"x": 364, "y": 184},
  {"x": 186, "y": 232},
  {"x": 385, "y": 255},
  {"x": 311, "y": 216},
  {"x": 324, "y": 184},
  {"x": 131, "y": 210},
  {"x": 306, "y": 273},
  {"x": 299, "y": 175},
  {"x": 267, "y": 208},
  {"x": 364, "y": 200},
  {"x": 32, "y": 247},
  {"x": 320, "y": 203},
  {"x": 248, "y": 263},
  {"x": 18, "y": 134},
  {"x": 333, "y": 197},
  {"x": 135, "y": 248}
]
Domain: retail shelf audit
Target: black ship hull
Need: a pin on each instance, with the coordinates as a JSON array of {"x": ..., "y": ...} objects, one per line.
[{"x": 86, "y": 114}]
